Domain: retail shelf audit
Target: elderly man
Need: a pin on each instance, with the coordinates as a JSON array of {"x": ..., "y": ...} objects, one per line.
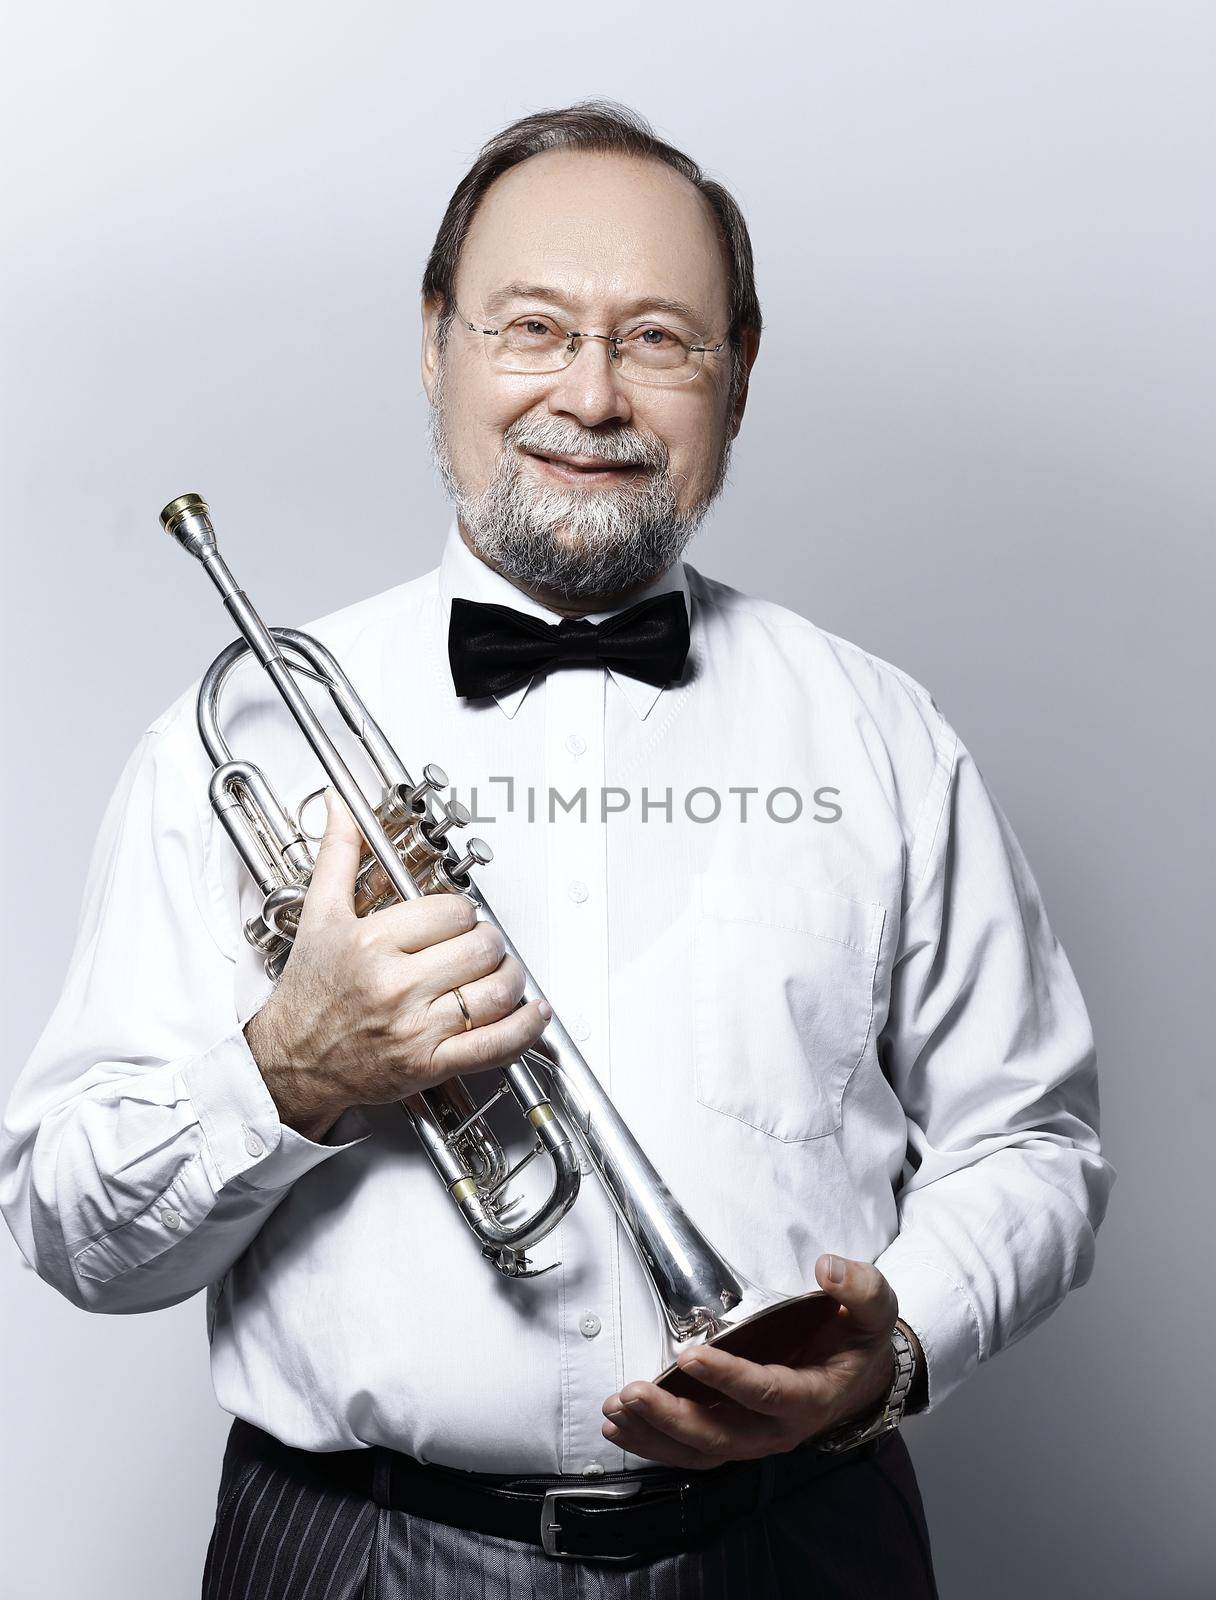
[{"x": 763, "y": 883}]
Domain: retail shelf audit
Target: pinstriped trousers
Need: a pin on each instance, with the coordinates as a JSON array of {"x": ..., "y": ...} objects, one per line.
[{"x": 282, "y": 1533}]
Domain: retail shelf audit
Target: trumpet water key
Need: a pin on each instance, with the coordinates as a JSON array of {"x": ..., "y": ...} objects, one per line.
[{"x": 410, "y": 852}]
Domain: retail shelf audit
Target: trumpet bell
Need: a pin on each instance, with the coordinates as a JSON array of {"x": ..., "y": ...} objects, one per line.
[{"x": 786, "y": 1332}]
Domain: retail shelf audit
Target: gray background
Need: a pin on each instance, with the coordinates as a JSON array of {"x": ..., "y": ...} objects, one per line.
[{"x": 978, "y": 444}]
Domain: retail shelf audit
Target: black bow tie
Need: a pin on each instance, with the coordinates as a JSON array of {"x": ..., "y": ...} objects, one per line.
[{"x": 494, "y": 649}]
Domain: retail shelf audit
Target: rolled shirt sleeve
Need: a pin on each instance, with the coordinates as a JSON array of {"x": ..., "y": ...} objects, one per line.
[
  {"x": 989, "y": 1047},
  {"x": 141, "y": 1150}
]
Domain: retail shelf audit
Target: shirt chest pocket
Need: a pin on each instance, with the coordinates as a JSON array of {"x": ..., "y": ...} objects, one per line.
[{"x": 783, "y": 999}]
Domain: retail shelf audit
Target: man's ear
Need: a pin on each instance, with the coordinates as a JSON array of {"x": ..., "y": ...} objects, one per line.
[
  {"x": 431, "y": 312},
  {"x": 749, "y": 347}
]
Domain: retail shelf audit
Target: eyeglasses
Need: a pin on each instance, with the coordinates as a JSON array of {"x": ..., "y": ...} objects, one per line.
[{"x": 644, "y": 351}]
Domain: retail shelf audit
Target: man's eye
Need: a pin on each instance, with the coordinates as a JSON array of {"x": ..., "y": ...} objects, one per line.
[
  {"x": 653, "y": 338},
  {"x": 534, "y": 328}
]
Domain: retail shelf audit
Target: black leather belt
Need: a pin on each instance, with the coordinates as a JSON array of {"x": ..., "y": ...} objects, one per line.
[{"x": 622, "y": 1516}]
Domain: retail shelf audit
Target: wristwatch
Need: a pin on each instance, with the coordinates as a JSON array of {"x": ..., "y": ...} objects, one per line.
[{"x": 889, "y": 1414}]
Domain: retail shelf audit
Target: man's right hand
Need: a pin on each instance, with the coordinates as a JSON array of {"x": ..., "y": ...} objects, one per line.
[{"x": 364, "y": 1013}]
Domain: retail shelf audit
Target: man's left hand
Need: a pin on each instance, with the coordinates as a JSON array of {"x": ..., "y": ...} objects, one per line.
[{"x": 767, "y": 1409}]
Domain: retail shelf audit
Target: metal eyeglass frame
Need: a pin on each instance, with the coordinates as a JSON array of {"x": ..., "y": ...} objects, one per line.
[{"x": 614, "y": 355}]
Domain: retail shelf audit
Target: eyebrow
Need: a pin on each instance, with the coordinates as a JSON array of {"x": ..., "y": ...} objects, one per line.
[{"x": 539, "y": 291}]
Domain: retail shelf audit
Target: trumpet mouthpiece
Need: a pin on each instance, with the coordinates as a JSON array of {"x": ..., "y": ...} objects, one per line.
[{"x": 188, "y": 519}]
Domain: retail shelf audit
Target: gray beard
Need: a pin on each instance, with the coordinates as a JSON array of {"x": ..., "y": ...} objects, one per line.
[{"x": 579, "y": 544}]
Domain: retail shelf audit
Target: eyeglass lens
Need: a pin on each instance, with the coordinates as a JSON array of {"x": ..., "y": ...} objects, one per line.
[{"x": 645, "y": 352}]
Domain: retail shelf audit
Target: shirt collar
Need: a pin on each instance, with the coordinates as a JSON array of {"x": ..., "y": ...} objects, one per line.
[{"x": 463, "y": 574}]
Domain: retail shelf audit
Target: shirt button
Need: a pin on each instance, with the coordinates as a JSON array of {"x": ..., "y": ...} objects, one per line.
[
  {"x": 578, "y": 892},
  {"x": 579, "y": 1028},
  {"x": 589, "y": 1324},
  {"x": 254, "y": 1145},
  {"x": 171, "y": 1219},
  {"x": 593, "y": 1469},
  {"x": 576, "y": 744}
]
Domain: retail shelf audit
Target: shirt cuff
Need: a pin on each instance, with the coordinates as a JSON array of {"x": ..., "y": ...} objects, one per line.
[
  {"x": 938, "y": 1311},
  {"x": 242, "y": 1133}
]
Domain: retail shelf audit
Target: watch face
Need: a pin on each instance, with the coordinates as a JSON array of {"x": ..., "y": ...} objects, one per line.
[
  {"x": 850, "y": 1440},
  {"x": 856, "y": 1432}
]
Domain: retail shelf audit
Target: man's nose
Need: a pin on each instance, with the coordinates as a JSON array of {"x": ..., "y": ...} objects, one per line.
[{"x": 590, "y": 389}]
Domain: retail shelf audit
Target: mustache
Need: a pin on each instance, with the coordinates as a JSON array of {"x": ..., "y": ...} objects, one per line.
[{"x": 558, "y": 438}]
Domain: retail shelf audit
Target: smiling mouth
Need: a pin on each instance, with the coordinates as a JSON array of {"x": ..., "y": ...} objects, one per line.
[{"x": 584, "y": 466}]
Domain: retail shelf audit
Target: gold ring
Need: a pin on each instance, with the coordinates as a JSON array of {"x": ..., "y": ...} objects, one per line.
[{"x": 468, "y": 1021}]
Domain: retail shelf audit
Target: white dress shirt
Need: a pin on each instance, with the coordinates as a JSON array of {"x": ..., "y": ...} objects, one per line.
[{"x": 789, "y": 927}]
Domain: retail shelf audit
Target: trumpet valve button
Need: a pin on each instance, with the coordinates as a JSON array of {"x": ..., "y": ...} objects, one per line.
[
  {"x": 477, "y": 854},
  {"x": 455, "y": 815},
  {"x": 433, "y": 778}
]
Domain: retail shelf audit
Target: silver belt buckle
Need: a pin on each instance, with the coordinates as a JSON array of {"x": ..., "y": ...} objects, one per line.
[{"x": 550, "y": 1527}]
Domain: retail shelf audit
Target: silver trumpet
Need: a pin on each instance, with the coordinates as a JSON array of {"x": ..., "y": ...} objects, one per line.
[{"x": 409, "y": 853}]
